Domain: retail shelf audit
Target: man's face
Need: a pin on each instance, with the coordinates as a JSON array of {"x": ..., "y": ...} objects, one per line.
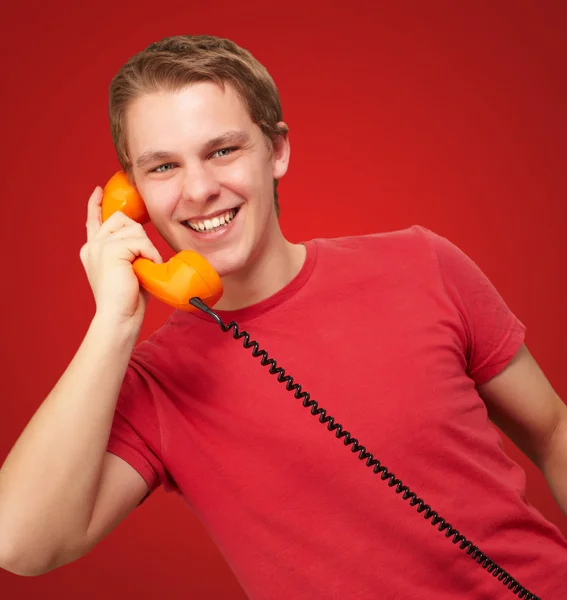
[{"x": 206, "y": 173}]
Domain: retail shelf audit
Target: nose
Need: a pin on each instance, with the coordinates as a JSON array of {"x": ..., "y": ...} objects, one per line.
[{"x": 200, "y": 186}]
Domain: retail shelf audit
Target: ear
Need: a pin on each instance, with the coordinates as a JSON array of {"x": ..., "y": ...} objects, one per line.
[{"x": 281, "y": 151}]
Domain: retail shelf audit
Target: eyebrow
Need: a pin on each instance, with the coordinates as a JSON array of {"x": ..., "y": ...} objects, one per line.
[{"x": 229, "y": 137}]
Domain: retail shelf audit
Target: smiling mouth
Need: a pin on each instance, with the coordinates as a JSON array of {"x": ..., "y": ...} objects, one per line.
[{"x": 214, "y": 224}]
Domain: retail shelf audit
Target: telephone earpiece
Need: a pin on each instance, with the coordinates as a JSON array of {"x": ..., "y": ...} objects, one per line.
[{"x": 182, "y": 277}]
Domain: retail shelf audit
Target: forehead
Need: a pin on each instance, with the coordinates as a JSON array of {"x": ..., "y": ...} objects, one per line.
[{"x": 191, "y": 115}]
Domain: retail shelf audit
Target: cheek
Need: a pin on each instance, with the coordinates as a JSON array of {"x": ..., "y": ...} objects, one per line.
[
  {"x": 161, "y": 199},
  {"x": 249, "y": 180}
]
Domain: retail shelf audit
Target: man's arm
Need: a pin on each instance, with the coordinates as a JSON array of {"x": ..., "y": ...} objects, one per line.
[
  {"x": 523, "y": 404},
  {"x": 60, "y": 491}
]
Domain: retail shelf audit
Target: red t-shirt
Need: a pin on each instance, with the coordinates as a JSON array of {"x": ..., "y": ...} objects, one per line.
[{"x": 389, "y": 333}]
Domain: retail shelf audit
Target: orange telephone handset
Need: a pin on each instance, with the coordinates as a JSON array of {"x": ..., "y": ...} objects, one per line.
[{"x": 182, "y": 277}]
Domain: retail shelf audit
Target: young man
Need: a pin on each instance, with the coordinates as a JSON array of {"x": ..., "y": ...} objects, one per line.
[{"x": 411, "y": 354}]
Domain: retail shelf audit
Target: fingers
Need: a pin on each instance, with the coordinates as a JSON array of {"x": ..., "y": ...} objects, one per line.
[
  {"x": 119, "y": 234},
  {"x": 95, "y": 226},
  {"x": 126, "y": 230},
  {"x": 128, "y": 248},
  {"x": 129, "y": 236},
  {"x": 138, "y": 242},
  {"x": 142, "y": 246},
  {"x": 114, "y": 223},
  {"x": 94, "y": 218}
]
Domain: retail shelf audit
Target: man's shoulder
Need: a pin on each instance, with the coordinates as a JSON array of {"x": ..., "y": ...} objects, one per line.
[
  {"x": 395, "y": 258},
  {"x": 409, "y": 239}
]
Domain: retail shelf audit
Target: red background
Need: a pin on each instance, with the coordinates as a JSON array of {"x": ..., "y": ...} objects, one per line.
[{"x": 450, "y": 115}]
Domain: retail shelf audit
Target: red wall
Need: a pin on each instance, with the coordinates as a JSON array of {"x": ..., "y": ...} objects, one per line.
[{"x": 449, "y": 115}]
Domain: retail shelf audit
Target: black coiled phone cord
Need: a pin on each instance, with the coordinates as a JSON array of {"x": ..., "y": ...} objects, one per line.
[{"x": 473, "y": 551}]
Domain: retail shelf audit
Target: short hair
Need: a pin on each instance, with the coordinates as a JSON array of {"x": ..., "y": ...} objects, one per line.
[{"x": 177, "y": 61}]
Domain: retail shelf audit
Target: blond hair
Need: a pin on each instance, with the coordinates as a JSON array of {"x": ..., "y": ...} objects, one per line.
[{"x": 177, "y": 61}]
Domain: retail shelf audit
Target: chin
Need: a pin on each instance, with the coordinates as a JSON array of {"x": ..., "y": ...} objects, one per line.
[{"x": 227, "y": 266}]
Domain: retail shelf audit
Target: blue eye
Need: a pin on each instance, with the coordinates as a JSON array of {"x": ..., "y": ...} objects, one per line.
[
  {"x": 227, "y": 150},
  {"x": 159, "y": 169}
]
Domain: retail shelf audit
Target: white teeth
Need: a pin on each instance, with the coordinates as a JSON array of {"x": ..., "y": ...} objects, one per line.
[{"x": 214, "y": 223}]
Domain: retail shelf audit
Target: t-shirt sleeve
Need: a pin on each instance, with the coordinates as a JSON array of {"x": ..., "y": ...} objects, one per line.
[
  {"x": 492, "y": 332},
  {"x": 135, "y": 433}
]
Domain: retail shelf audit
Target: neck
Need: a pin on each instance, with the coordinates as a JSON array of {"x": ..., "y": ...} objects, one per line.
[{"x": 275, "y": 265}]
